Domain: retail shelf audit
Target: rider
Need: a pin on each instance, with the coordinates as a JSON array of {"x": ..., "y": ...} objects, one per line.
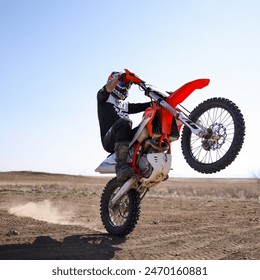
[{"x": 114, "y": 122}]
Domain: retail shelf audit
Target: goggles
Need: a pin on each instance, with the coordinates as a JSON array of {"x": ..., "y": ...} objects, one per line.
[{"x": 123, "y": 85}]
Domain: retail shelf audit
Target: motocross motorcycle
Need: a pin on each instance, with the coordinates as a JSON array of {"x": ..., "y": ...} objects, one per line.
[{"x": 212, "y": 136}]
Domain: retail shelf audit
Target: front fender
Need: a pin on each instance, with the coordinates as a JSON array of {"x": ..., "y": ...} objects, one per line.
[{"x": 178, "y": 96}]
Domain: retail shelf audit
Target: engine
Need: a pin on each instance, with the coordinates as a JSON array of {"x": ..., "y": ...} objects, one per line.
[
  {"x": 145, "y": 166},
  {"x": 150, "y": 146}
]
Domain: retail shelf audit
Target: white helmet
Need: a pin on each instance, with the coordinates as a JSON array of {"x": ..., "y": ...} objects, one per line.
[{"x": 121, "y": 89}]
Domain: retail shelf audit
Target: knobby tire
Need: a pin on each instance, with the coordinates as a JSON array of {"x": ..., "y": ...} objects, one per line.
[
  {"x": 229, "y": 155},
  {"x": 132, "y": 201}
]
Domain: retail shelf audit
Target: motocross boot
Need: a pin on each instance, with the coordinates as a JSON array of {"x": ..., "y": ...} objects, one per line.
[{"x": 123, "y": 170}]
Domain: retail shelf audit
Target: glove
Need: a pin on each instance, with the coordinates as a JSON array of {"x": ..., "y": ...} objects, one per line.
[{"x": 122, "y": 78}]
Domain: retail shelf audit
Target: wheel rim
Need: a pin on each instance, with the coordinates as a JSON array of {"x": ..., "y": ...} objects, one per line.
[
  {"x": 120, "y": 211},
  {"x": 220, "y": 124}
]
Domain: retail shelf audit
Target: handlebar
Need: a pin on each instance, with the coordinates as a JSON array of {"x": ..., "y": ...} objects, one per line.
[
  {"x": 132, "y": 77},
  {"x": 154, "y": 94}
]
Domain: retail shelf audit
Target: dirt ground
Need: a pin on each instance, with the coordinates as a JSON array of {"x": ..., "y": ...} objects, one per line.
[{"x": 54, "y": 216}]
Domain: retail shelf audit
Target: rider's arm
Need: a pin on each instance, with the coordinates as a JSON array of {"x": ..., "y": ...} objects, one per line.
[
  {"x": 111, "y": 84},
  {"x": 103, "y": 93},
  {"x": 138, "y": 107}
]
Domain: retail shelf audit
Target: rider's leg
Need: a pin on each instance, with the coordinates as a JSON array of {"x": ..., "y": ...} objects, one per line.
[
  {"x": 123, "y": 170},
  {"x": 118, "y": 137}
]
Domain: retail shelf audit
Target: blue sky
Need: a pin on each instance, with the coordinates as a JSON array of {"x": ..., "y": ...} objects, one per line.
[{"x": 55, "y": 55}]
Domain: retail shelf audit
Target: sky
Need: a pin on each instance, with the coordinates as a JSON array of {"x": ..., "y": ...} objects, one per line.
[{"x": 56, "y": 54}]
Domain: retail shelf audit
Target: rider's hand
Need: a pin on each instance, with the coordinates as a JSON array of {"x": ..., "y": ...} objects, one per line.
[{"x": 122, "y": 78}]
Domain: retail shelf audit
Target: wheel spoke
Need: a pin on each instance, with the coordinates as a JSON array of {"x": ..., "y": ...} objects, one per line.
[
  {"x": 222, "y": 125},
  {"x": 225, "y": 127},
  {"x": 119, "y": 213}
]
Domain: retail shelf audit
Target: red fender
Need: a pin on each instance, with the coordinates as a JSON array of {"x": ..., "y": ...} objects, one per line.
[{"x": 179, "y": 95}]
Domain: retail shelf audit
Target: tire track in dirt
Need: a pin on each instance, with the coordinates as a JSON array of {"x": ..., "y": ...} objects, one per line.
[
  {"x": 194, "y": 231},
  {"x": 200, "y": 219}
]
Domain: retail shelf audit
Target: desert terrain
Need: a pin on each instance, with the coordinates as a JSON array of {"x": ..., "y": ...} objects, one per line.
[{"x": 56, "y": 216}]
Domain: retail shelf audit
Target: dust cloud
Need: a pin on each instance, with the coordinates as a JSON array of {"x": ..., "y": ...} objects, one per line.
[{"x": 44, "y": 211}]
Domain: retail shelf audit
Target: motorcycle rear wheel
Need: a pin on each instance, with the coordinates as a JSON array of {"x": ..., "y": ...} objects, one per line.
[
  {"x": 121, "y": 219},
  {"x": 224, "y": 119}
]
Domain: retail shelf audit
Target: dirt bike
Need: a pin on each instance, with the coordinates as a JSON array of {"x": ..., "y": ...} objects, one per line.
[{"x": 212, "y": 136}]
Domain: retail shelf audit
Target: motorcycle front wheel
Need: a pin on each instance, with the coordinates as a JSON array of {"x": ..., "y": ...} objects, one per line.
[
  {"x": 225, "y": 123},
  {"x": 122, "y": 218}
]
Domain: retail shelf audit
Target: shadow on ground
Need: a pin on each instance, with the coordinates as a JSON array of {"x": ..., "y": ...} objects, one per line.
[{"x": 78, "y": 247}]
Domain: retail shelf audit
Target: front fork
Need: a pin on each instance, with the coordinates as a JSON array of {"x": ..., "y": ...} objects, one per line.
[
  {"x": 202, "y": 133},
  {"x": 129, "y": 184}
]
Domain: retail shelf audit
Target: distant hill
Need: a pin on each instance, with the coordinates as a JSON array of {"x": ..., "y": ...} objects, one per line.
[{"x": 31, "y": 176}]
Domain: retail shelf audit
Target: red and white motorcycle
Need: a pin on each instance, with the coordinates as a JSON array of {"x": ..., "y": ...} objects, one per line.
[{"x": 212, "y": 137}]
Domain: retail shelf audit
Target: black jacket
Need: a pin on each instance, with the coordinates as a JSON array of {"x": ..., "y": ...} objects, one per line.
[{"x": 110, "y": 109}]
